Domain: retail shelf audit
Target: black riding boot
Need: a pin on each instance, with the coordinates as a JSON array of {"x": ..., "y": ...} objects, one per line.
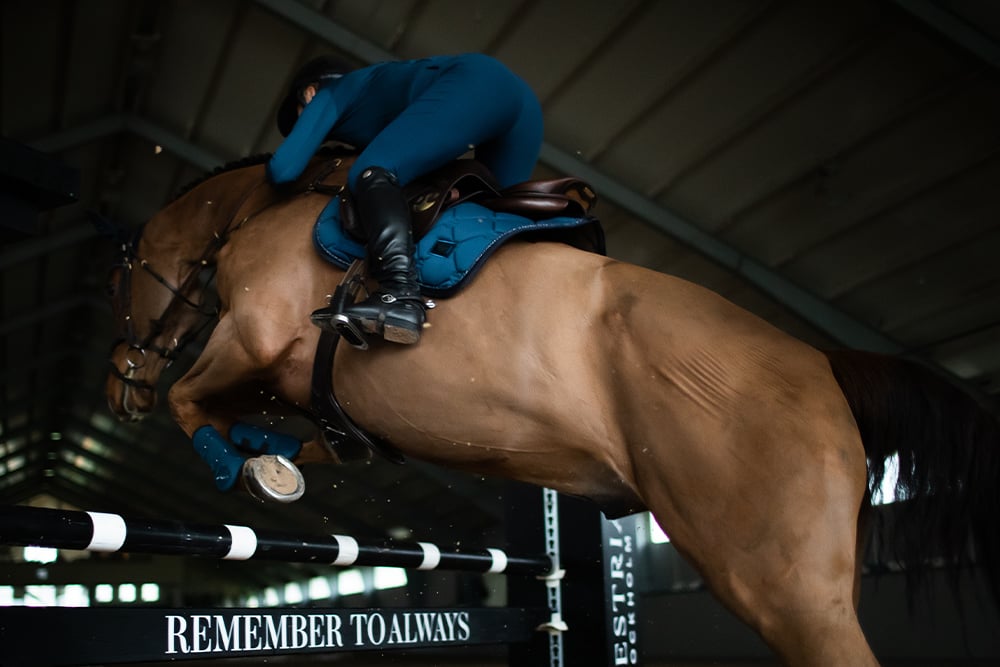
[{"x": 396, "y": 310}]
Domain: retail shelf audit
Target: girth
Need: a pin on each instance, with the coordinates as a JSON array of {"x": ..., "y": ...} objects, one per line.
[{"x": 338, "y": 431}]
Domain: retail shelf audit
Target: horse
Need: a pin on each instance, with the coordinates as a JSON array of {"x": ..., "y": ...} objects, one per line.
[{"x": 756, "y": 452}]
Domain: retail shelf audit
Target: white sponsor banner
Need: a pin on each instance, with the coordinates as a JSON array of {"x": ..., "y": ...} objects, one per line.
[{"x": 362, "y": 629}]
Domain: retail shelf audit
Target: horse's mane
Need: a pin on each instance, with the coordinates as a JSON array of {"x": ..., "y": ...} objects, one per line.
[
  {"x": 249, "y": 161},
  {"x": 327, "y": 150}
]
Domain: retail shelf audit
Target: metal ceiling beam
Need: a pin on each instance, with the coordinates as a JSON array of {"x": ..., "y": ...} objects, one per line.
[
  {"x": 33, "y": 248},
  {"x": 329, "y": 31},
  {"x": 25, "y": 490},
  {"x": 58, "y": 359},
  {"x": 141, "y": 127},
  {"x": 163, "y": 570},
  {"x": 825, "y": 317},
  {"x": 51, "y": 309},
  {"x": 81, "y": 134},
  {"x": 955, "y": 28},
  {"x": 118, "y": 481},
  {"x": 173, "y": 143}
]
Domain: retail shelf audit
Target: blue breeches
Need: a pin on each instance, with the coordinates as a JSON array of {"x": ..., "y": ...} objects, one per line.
[{"x": 475, "y": 103}]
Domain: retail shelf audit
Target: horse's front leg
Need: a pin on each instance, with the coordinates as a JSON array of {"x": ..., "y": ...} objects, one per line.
[{"x": 224, "y": 383}]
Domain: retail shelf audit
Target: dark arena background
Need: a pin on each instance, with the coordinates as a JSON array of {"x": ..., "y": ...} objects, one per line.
[{"x": 829, "y": 165}]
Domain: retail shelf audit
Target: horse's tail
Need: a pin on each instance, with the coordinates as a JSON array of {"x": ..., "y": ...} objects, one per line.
[{"x": 948, "y": 445}]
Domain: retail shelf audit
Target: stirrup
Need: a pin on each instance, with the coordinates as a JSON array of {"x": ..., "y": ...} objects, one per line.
[
  {"x": 350, "y": 332},
  {"x": 356, "y": 330},
  {"x": 397, "y": 318},
  {"x": 332, "y": 318},
  {"x": 329, "y": 319}
]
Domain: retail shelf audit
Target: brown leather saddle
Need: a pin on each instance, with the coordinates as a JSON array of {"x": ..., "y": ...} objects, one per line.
[{"x": 467, "y": 180}]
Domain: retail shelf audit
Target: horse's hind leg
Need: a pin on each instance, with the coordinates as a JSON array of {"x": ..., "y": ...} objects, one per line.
[
  {"x": 775, "y": 538},
  {"x": 808, "y": 619},
  {"x": 799, "y": 590}
]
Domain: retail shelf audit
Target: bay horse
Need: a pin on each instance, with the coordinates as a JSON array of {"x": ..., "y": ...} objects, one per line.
[{"x": 756, "y": 452}]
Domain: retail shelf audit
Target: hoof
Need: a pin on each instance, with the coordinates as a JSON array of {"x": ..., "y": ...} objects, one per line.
[{"x": 272, "y": 477}]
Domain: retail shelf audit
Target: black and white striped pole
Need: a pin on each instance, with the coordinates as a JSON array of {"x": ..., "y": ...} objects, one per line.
[{"x": 106, "y": 532}]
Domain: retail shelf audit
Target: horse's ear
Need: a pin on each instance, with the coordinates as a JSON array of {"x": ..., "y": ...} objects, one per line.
[{"x": 108, "y": 228}]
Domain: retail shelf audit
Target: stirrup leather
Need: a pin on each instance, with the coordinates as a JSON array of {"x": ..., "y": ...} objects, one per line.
[{"x": 347, "y": 291}]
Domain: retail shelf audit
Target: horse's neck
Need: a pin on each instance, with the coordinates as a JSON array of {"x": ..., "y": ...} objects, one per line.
[{"x": 195, "y": 226}]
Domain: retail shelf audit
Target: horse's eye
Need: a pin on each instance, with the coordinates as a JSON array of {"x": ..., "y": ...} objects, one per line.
[{"x": 114, "y": 279}]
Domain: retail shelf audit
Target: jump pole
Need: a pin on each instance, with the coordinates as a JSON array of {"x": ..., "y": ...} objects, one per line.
[
  {"x": 105, "y": 532},
  {"x": 599, "y": 627},
  {"x": 120, "y": 634}
]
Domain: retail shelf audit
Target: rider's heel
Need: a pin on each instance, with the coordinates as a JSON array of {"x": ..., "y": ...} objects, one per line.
[{"x": 406, "y": 334}]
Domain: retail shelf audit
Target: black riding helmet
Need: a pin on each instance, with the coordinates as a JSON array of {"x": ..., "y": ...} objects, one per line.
[{"x": 312, "y": 72}]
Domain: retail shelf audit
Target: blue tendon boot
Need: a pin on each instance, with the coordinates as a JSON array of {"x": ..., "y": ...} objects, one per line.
[
  {"x": 226, "y": 463},
  {"x": 266, "y": 477}
]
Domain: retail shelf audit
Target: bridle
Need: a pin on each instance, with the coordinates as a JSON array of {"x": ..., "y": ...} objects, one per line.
[{"x": 138, "y": 347}]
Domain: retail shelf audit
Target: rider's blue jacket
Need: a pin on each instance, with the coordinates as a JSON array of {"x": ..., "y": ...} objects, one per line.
[{"x": 413, "y": 116}]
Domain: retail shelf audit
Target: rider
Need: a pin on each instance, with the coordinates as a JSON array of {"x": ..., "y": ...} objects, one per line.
[{"x": 407, "y": 118}]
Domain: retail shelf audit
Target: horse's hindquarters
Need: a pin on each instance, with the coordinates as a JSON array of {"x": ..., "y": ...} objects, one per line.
[{"x": 746, "y": 451}]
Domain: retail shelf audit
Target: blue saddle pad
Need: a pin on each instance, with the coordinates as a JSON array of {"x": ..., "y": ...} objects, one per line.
[{"x": 455, "y": 247}]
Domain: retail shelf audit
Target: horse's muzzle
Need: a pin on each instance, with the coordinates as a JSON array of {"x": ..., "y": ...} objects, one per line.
[{"x": 128, "y": 402}]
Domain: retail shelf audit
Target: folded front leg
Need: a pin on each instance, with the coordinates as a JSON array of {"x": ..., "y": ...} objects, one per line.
[
  {"x": 225, "y": 457},
  {"x": 222, "y": 384},
  {"x": 268, "y": 476}
]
